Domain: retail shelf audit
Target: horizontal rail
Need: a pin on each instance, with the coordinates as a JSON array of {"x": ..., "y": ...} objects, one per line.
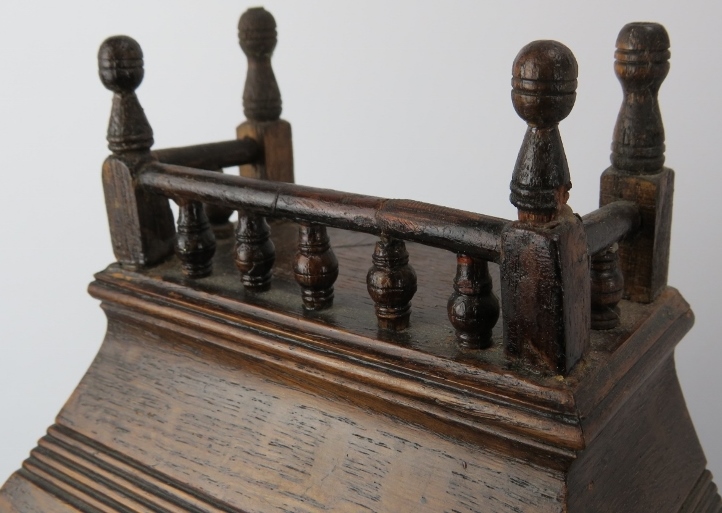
[
  {"x": 447, "y": 228},
  {"x": 211, "y": 155},
  {"x": 608, "y": 224}
]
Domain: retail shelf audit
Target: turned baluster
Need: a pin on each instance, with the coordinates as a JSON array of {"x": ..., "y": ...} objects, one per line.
[
  {"x": 473, "y": 308},
  {"x": 141, "y": 224},
  {"x": 637, "y": 172},
  {"x": 315, "y": 266},
  {"x": 255, "y": 252},
  {"x": 195, "y": 243},
  {"x": 607, "y": 287},
  {"x": 391, "y": 283},
  {"x": 262, "y": 100},
  {"x": 544, "y": 265}
]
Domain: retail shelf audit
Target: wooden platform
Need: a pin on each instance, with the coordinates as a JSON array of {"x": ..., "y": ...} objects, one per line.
[{"x": 205, "y": 397}]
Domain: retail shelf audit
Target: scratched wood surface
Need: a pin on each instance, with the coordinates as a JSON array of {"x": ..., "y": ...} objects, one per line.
[
  {"x": 207, "y": 397},
  {"x": 256, "y": 444}
]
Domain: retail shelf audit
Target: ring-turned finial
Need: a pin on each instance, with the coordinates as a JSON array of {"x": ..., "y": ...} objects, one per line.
[
  {"x": 258, "y": 38},
  {"x": 641, "y": 64},
  {"x": 120, "y": 66},
  {"x": 544, "y": 83},
  {"x": 257, "y": 32}
]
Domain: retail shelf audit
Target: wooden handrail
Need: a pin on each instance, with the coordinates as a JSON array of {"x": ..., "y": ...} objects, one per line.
[
  {"x": 610, "y": 223},
  {"x": 217, "y": 155},
  {"x": 458, "y": 231}
]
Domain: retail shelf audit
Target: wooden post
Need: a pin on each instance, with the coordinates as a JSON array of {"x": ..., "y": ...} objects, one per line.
[
  {"x": 141, "y": 224},
  {"x": 637, "y": 172},
  {"x": 262, "y": 100},
  {"x": 544, "y": 260}
]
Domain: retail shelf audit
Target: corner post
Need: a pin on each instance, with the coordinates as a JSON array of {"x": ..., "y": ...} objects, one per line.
[
  {"x": 262, "y": 100},
  {"x": 141, "y": 224},
  {"x": 637, "y": 172},
  {"x": 544, "y": 259}
]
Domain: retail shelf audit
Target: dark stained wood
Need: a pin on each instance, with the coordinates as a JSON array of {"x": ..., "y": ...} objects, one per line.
[
  {"x": 142, "y": 230},
  {"x": 120, "y": 67},
  {"x": 609, "y": 224},
  {"x": 195, "y": 243},
  {"x": 254, "y": 252},
  {"x": 704, "y": 496},
  {"x": 473, "y": 307},
  {"x": 214, "y": 395},
  {"x": 637, "y": 173},
  {"x": 211, "y": 155},
  {"x": 544, "y": 264},
  {"x": 544, "y": 81},
  {"x": 459, "y": 231},
  {"x": 546, "y": 294},
  {"x": 258, "y": 38},
  {"x": 636, "y": 439},
  {"x": 642, "y": 63},
  {"x": 607, "y": 289},
  {"x": 315, "y": 266},
  {"x": 391, "y": 283},
  {"x": 262, "y": 100},
  {"x": 253, "y": 381},
  {"x": 644, "y": 258}
]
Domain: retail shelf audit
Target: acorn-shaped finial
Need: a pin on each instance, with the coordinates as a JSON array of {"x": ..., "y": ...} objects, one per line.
[
  {"x": 257, "y": 32},
  {"x": 544, "y": 82},
  {"x": 120, "y": 66}
]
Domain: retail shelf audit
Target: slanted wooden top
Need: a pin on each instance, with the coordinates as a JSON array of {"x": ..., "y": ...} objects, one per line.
[{"x": 423, "y": 368}]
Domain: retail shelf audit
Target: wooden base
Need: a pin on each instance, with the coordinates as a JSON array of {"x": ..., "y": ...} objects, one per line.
[{"x": 205, "y": 397}]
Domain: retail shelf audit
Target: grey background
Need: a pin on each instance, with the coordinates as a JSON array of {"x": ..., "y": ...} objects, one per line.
[{"x": 398, "y": 99}]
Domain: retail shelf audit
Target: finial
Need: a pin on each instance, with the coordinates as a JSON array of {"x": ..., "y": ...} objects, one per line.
[
  {"x": 641, "y": 65},
  {"x": 120, "y": 66},
  {"x": 258, "y": 38},
  {"x": 544, "y": 82}
]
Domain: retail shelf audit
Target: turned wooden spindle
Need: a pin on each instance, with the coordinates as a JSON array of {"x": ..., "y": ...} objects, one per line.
[
  {"x": 255, "y": 252},
  {"x": 544, "y": 82},
  {"x": 545, "y": 264},
  {"x": 642, "y": 63},
  {"x": 315, "y": 266},
  {"x": 391, "y": 283},
  {"x": 120, "y": 66},
  {"x": 637, "y": 172},
  {"x": 473, "y": 308},
  {"x": 607, "y": 287},
  {"x": 141, "y": 224},
  {"x": 257, "y": 36},
  {"x": 195, "y": 242},
  {"x": 262, "y": 100}
]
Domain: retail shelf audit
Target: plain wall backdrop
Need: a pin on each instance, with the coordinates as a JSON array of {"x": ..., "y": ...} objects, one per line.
[{"x": 403, "y": 99}]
